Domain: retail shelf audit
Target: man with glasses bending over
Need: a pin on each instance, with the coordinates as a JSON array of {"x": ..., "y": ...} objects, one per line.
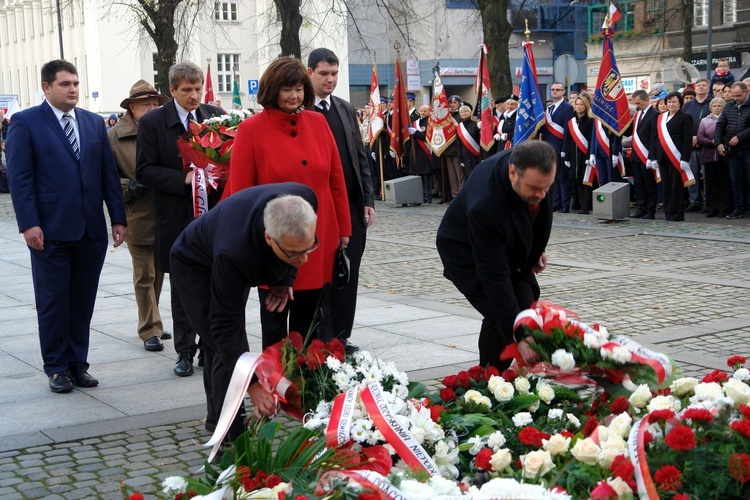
[
  {"x": 558, "y": 114},
  {"x": 258, "y": 236}
]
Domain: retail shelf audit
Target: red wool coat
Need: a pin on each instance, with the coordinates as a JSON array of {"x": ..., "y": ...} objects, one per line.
[{"x": 274, "y": 146}]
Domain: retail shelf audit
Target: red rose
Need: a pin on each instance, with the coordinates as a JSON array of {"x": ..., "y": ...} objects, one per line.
[
  {"x": 554, "y": 324},
  {"x": 476, "y": 373},
  {"x": 435, "y": 412},
  {"x": 742, "y": 426},
  {"x": 567, "y": 434},
  {"x": 619, "y": 405},
  {"x": 739, "y": 467},
  {"x": 681, "y": 438},
  {"x": 191, "y": 494},
  {"x": 447, "y": 394},
  {"x": 745, "y": 410},
  {"x": 532, "y": 437},
  {"x": 716, "y": 376},
  {"x": 451, "y": 381},
  {"x": 464, "y": 380},
  {"x": 668, "y": 478},
  {"x": 483, "y": 459},
  {"x": 272, "y": 481},
  {"x": 698, "y": 414},
  {"x": 591, "y": 424},
  {"x": 137, "y": 496},
  {"x": 657, "y": 415},
  {"x": 509, "y": 375},
  {"x": 178, "y": 496},
  {"x": 491, "y": 371},
  {"x": 736, "y": 360}
]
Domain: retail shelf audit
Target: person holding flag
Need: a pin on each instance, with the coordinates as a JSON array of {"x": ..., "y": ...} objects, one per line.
[
  {"x": 377, "y": 125},
  {"x": 422, "y": 154},
  {"x": 400, "y": 119},
  {"x": 485, "y": 106},
  {"x": 507, "y": 125},
  {"x": 441, "y": 128},
  {"x": 469, "y": 149}
]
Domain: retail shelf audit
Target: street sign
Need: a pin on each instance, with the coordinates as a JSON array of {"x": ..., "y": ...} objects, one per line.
[
  {"x": 6, "y": 99},
  {"x": 566, "y": 70},
  {"x": 252, "y": 87},
  {"x": 95, "y": 94}
]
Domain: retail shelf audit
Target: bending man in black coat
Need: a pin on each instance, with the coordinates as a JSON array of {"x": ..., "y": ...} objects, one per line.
[
  {"x": 259, "y": 236},
  {"x": 492, "y": 240}
]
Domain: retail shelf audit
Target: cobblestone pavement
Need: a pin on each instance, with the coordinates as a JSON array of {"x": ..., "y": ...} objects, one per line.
[{"x": 680, "y": 288}]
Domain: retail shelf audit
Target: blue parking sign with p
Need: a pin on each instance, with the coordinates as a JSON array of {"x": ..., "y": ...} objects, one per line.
[{"x": 252, "y": 87}]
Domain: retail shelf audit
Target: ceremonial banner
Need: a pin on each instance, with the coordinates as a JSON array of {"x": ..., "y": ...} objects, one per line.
[
  {"x": 376, "y": 115},
  {"x": 441, "y": 128},
  {"x": 236, "y": 101},
  {"x": 530, "y": 107},
  {"x": 485, "y": 103},
  {"x": 209, "y": 99},
  {"x": 399, "y": 116},
  {"x": 610, "y": 101}
]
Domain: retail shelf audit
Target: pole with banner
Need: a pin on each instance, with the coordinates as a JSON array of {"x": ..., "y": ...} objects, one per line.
[
  {"x": 530, "y": 107},
  {"x": 209, "y": 99}
]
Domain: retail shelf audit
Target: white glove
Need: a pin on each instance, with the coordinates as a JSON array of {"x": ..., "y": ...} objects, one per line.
[
  {"x": 393, "y": 153},
  {"x": 498, "y": 137},
  {"x": 592, "y": 160},
  {"x": 615, "y": 160},
  {"x": 479, "y": 124},
  {"x": 567, "y": 164},
  {"x": 652, "y": 164},
  {"x": 504, "y": 137},
  {"x": 411, "y": 130},
  {"x": 562, "y": 154},
  {"x": 684, "y": 166},
  {"x": 373, "y": 155},
  {"x": 462, "y": 165}
]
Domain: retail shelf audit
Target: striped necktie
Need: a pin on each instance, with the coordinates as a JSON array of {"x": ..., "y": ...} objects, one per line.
[{"x": 71, "y": 134}]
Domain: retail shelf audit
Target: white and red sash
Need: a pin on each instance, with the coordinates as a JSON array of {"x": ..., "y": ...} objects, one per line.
[
  {"x": 555, "y": 129},
  {"x": 591, "y": 173},
  {"x": 575, "y": 133},
  {"x": 500, "y": 125},
  {"x": 603, "y": 140},
  {"x": 422, "y": 144},
  {"x": 670, "y": 149},
  {"x": 468, "y": 140},
  {"x": 638, "y": 146}
]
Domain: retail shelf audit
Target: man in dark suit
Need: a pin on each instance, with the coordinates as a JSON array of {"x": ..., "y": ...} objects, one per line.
[
  {"x": 159, "y": 166},
  {"x": 558, "y": 115},
  {"x": 61, "y": 171},
  {"x": 323, "y": 68},
  {"x": 644, "y": 132},
  {"x": 258, "y": 236},
  {"x": 492, "y": 241}
]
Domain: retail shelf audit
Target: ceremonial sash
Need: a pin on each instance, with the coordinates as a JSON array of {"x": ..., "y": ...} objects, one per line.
[
  {"x": 580, "y": 140},
  {"x": 468, "y": 140},
  {"x": 553, "y": 127},
  {"x": 422, "y": 144},
  {"x": 601, "y": 136},
  {"x": 638, "y": 146},
  {"x": 670, "y": 149}
]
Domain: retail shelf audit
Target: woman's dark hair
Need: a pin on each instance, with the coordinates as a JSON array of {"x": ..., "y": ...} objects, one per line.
[
  {"x": 674, "y": 94},
  {"x": 284, "y": 72}
]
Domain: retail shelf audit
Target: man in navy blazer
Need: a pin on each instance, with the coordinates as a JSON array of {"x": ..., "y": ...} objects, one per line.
[
  {"x": 558, "y": 115},
  {"x": 61, "y": 171},
  {"x": 258, "y": 236}
]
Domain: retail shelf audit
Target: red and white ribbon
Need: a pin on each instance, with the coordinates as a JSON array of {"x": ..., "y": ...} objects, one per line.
[
  {"x": 340, "y": 423},
  {"x": 202, "y": 178},
  {"x": 637, "y": 451},
  {"x": 468, "y": 140},
  {"x": 369, "y": 480},
  {"x": 670, "y": 149},
  {"x": 555, "y": 129},
  {"x": 578, "y": 138}
]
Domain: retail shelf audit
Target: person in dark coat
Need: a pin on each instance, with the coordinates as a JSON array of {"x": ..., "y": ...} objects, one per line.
[
  {"x": 159, "y": 166},
  {"x": 718, "y": 183},
  {"x": 421, "y": 164},
  {"x": 492, "y": 241},
  {"x": 644, "y": 133},
  {"x": 469, "y": 151},
  {"x": 733, "y": 142},
  {"x": 576, "y": 151},
  {"x": 558, "y": 114},
  {"x": 258, "y": 236}
]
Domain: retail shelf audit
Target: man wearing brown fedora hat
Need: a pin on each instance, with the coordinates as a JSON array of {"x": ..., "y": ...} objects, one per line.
[{"x": 139, "y": 207}]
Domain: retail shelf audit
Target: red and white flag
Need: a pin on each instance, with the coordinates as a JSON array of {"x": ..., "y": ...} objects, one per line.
[
  {"x": 441, "y": 128},
  {"x": 483, "y": 88},
  {"x": 613, "y": 14},
  {"x": 209, "y": 99},
  {"x": 376, "y": 115},
  {"x": 400, "y": 120}
]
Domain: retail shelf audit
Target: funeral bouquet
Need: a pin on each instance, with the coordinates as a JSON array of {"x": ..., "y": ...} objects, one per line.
[{"x": 206, "y": 149}]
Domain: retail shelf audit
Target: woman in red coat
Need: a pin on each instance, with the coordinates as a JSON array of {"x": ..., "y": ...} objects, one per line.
[{"x": 285, "y": 143}]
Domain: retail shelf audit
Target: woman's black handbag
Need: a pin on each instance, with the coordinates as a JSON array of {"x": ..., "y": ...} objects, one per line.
[{"x": 341, "y": 269}]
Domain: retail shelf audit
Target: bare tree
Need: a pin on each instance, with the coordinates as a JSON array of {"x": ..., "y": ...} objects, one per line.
[
  {"x": 291, "y": 22},
  {"x": 497, "y": 30}
]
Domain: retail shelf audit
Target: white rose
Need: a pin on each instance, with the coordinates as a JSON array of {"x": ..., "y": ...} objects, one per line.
[
  {"x": 665, "y": 403},
  {"x": 522, "y": 385},
  {"x": 174, "y": 484},
  {"x": 708, "y": 391},
  {"x": 742, "y": 374},
  {"x": 563, "y": 360},
  {"x": 591, "y": 341},
  {"x": 536, "y": 464},
  {"x": 471, "y": 396},
  {"x": 586, "y": 451},
  {"x": 573, "y": 419},
  {"x": 606, "y": 457},
  {"x": 534, "y": 407},
  {"x": 501, "y": 460},
  {"x": 614, "y": 443},
  {"x": 504, "y": 391},
  {"x": 557, "y": 444},
  {"x": 494, "y": 382},
  {"x": 641, "y": 396},
  {"x": 683, "y": 386},
  {"x": 555, "y": 414},
  {"x": 737, "y": 390},
  {"x": 621, "y": 487},
  {"x": 522, "y": 419},
  {"x": 620, "y": 425},
  {"x": 545, "y": 392},
  {"x": 496, "y": 440}
]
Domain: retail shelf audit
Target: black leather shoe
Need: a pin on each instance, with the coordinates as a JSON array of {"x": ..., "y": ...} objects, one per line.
[
  {"x": 210, "y": 426},
  {"x": 184, "y": 365},
  {"x": 693, "y": 208},
  {"x": 60, "y": 382},
  {"x": 81, "y": 377},
  {"x": 737, "y": 214},
  {"x": 648, "y": 216},
  {"x": 637, "y": 215},
  {"x": 582, "y": 212},
  {"x": 166, "y": 335},
  {"x": 565, "y": 210},
  {"x": 153, "y": 344},
  {"x": 350, "y": 348}
]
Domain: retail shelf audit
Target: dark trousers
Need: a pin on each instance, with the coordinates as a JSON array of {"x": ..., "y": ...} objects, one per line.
[
  {"x": 645, "y": 188},
  {"x": 584, "y": 195},
  {"x": 308, "y": 312},
  {"x": 344, "y": 300},
  {"x": 718, "y": 188},
  {"x": 739, "y": 171},
  {"x": 183, "y": 334},
  {"x": 193, "y": 286},
  {"x": 426, "y": 187},
  {"x": 66, "y": 277},
  {"x": 674, "y": 192}
]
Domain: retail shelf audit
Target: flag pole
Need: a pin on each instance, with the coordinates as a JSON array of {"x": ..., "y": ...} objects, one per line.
[
  {"x": 380, "y": 140},
  {"x": 442, "y": 158}
]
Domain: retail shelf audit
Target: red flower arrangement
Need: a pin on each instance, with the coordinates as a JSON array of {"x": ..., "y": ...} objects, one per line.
[
  {"x": 483, "y": 459},
  {"x": 739, "y": 467},
  {"x": 742, "y": 426},
  {"x": 681, "y": 438},
  {"x": 532, "y": 437},
  {"x": 736, "y": 361},
  {"x": 668, "y": 478}
]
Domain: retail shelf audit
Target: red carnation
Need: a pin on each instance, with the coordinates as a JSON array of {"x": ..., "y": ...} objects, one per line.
[
  {"x": 137, "y": 496},
  {"x": 509, "y": 375},
  {"x": 739, "y": 467},
  {"x": 619, "y": 405},
  {"x": 447, "y": 394},
  {"x": 491, "y": 371},
  {"x": 435, "y": 412},
  {"x": 464, "y": 380},
  {"x": 658, "y": 415},
  {"x": 698, "y": 414},
  {"x": 716, "y": 376},
  {"x": 591, "y": 424},
  {"x": 573, "y": 331},
  {"x": 736, "y": 360},
  {"x": 648, "y": 438},
  {"x": 566, "y": 433},
  {"x": 483, "y": 459},
  {"x": 681, "y": 438},
  {"x": 451, "y": 381},
  {"x": 532, "y": 437},
  {"x": 668, "y": 478},
  {"x": 742, "y": 426},
  {"x": 622, "y": 467},
  {"x": 476, "y": 373},
  {"x": 745, "y": 410}
]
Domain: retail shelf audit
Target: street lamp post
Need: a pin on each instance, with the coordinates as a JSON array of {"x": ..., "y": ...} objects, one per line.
[{"x": 59, "y": 29}]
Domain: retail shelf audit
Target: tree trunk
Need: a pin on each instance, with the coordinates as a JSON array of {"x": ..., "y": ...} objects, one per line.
[
  {"x": 158, "y": 22},
  {"x": 291, "y": 22},
  {"x": 687, "y": 31},
  {"x": 497, "y": 30}
]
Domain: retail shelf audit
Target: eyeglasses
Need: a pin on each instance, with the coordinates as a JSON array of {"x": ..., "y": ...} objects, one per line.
[
  {"x": 297, "y": 255},
  {"x": 557, "y": 90}
]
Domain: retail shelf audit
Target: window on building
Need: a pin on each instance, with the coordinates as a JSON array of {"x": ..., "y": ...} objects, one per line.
[
  {"x": 225, "y": 11},
  {"x": 226, "y": 64},
  {"x": 654, "y": 18},
  {"x": 730, "y": 11},
  {"x": 700, "y": 13}
]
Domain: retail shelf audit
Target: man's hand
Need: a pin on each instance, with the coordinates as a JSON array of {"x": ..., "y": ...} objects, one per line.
[
  {"x": 277, "y": 298},
  {"x": 118, "y": 234},
  {"x": 369, "y": 216},
  {"x": 34, "y": 238},
  {"x": 263, "y": 401},
  {"x": 734, "y": 141},
  {"x": 541, "y": 265},
  {"x": 527, "y": 353},
  {"x": 343, "y": 241},
  {"x": 695, "y": 141},
  {"x": 720, "y": 149},
  {"x": 189, "y": 177}
]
